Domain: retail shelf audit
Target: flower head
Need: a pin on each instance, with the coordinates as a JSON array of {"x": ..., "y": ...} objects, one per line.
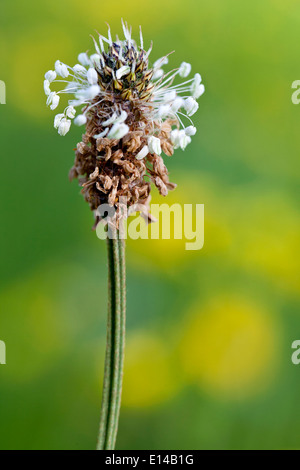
[{"x": 132, "y": 112}]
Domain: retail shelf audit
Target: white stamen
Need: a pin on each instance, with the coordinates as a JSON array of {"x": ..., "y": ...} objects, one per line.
[
  {"x": 47, "y": 87},
  {"x": 191, "y": 130},
  {"x": 53, "y": 100},
  {"x": 142, "y": 153},
  {"x": 64, "y": 126},
  {"x": 185, "y": 141},
  {"x": 70, "y": 112},
  {"x": 160, "y": 62},
  {"x": 92, "y": 76},
  {"x": 197, "y": 91},
  {"x": 154, "y": 145},
  {"x": 164, "y": 111},
  {"x": 180, "y": 139},
  {"x": 110, "y": 121},
  {"x": 196, "y": 88},
  {"x": 61, "y": 69},
  {"x": 158, "y": 73},
  {"x": 83, "y": 59},
  {"x": 96, "y": 60},
  {"x": 102, "y": 134},
  {"x": 80, "y": 120},
  {"x": 57, "y": 120},
  {"x": 122, "y": 117},
  {"x": 118, "y": 131},
  {"x": 88, "y": 93},
  {"x": 169, "y": 96},
  {"x": 50, "y": 76},
  {"x": 177, "y": 104},
  {"x": 71, "y": 87},
  {"x": 79, "y": 69},
  {"x": 191, "y": 106},
  {"x": 184, "y": 69}
]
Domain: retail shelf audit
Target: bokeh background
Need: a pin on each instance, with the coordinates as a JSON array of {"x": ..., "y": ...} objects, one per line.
[{"x": 208, "y": 362}]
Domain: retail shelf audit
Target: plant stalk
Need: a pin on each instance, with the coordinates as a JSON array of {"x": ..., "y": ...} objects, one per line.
[{"x": 115, "y": 342}]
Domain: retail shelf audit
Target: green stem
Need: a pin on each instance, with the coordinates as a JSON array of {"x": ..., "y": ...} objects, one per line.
[
  {"x": 114, "y": 358},
  {"x": 122, "y": 332}
]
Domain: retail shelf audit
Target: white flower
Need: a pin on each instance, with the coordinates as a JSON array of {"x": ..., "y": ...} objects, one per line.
[
  {"x": 191, "y": 106},
  {"x": 122, "y": 71},
  {"x": 80, "y": 69},
  {"x": 154, "y": 145},
  {"x": 158, "y": 73},
  {"x": 80, "y": 120},
  {"x": 61, "y": 69},
  {"x": 64, "y": 126},
  {"x": 184, "y": 69},
  {"x": 118, "y": 131},
  {"x": 92, "y": 76},
  {"x": 53, "y": 100},
  {"x": 57, "y": 120},
  {"x": 142, "y": 153},
  {"x": 47, "y": 87},
  {"x": 50, "y": 75},
  {"x": 70, "y": 112},
  {"x": 84, "y": 59},
  {"x": 88, "y": 93},
  {"x": 109, "y": 75},
  {"x": 190, "y": 130}
]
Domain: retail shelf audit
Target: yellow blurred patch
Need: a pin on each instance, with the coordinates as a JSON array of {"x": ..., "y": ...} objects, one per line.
[
  {"x": 36, "y": 53},
  {"x": 148, "y": 379},
  {"x": 266, "y": 236},
  {"x": 168, "y": 253},
  {"x": 38, "y": 337},
  {"x": 230, "y": 348},
  {"x": 96, "y": 16}
]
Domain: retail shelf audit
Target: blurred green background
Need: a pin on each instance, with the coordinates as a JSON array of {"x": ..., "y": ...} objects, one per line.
[{"x": 208, "y": 362}]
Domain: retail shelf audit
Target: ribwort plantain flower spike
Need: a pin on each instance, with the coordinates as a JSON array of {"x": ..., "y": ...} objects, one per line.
[{"x": 132, "y": 113}]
